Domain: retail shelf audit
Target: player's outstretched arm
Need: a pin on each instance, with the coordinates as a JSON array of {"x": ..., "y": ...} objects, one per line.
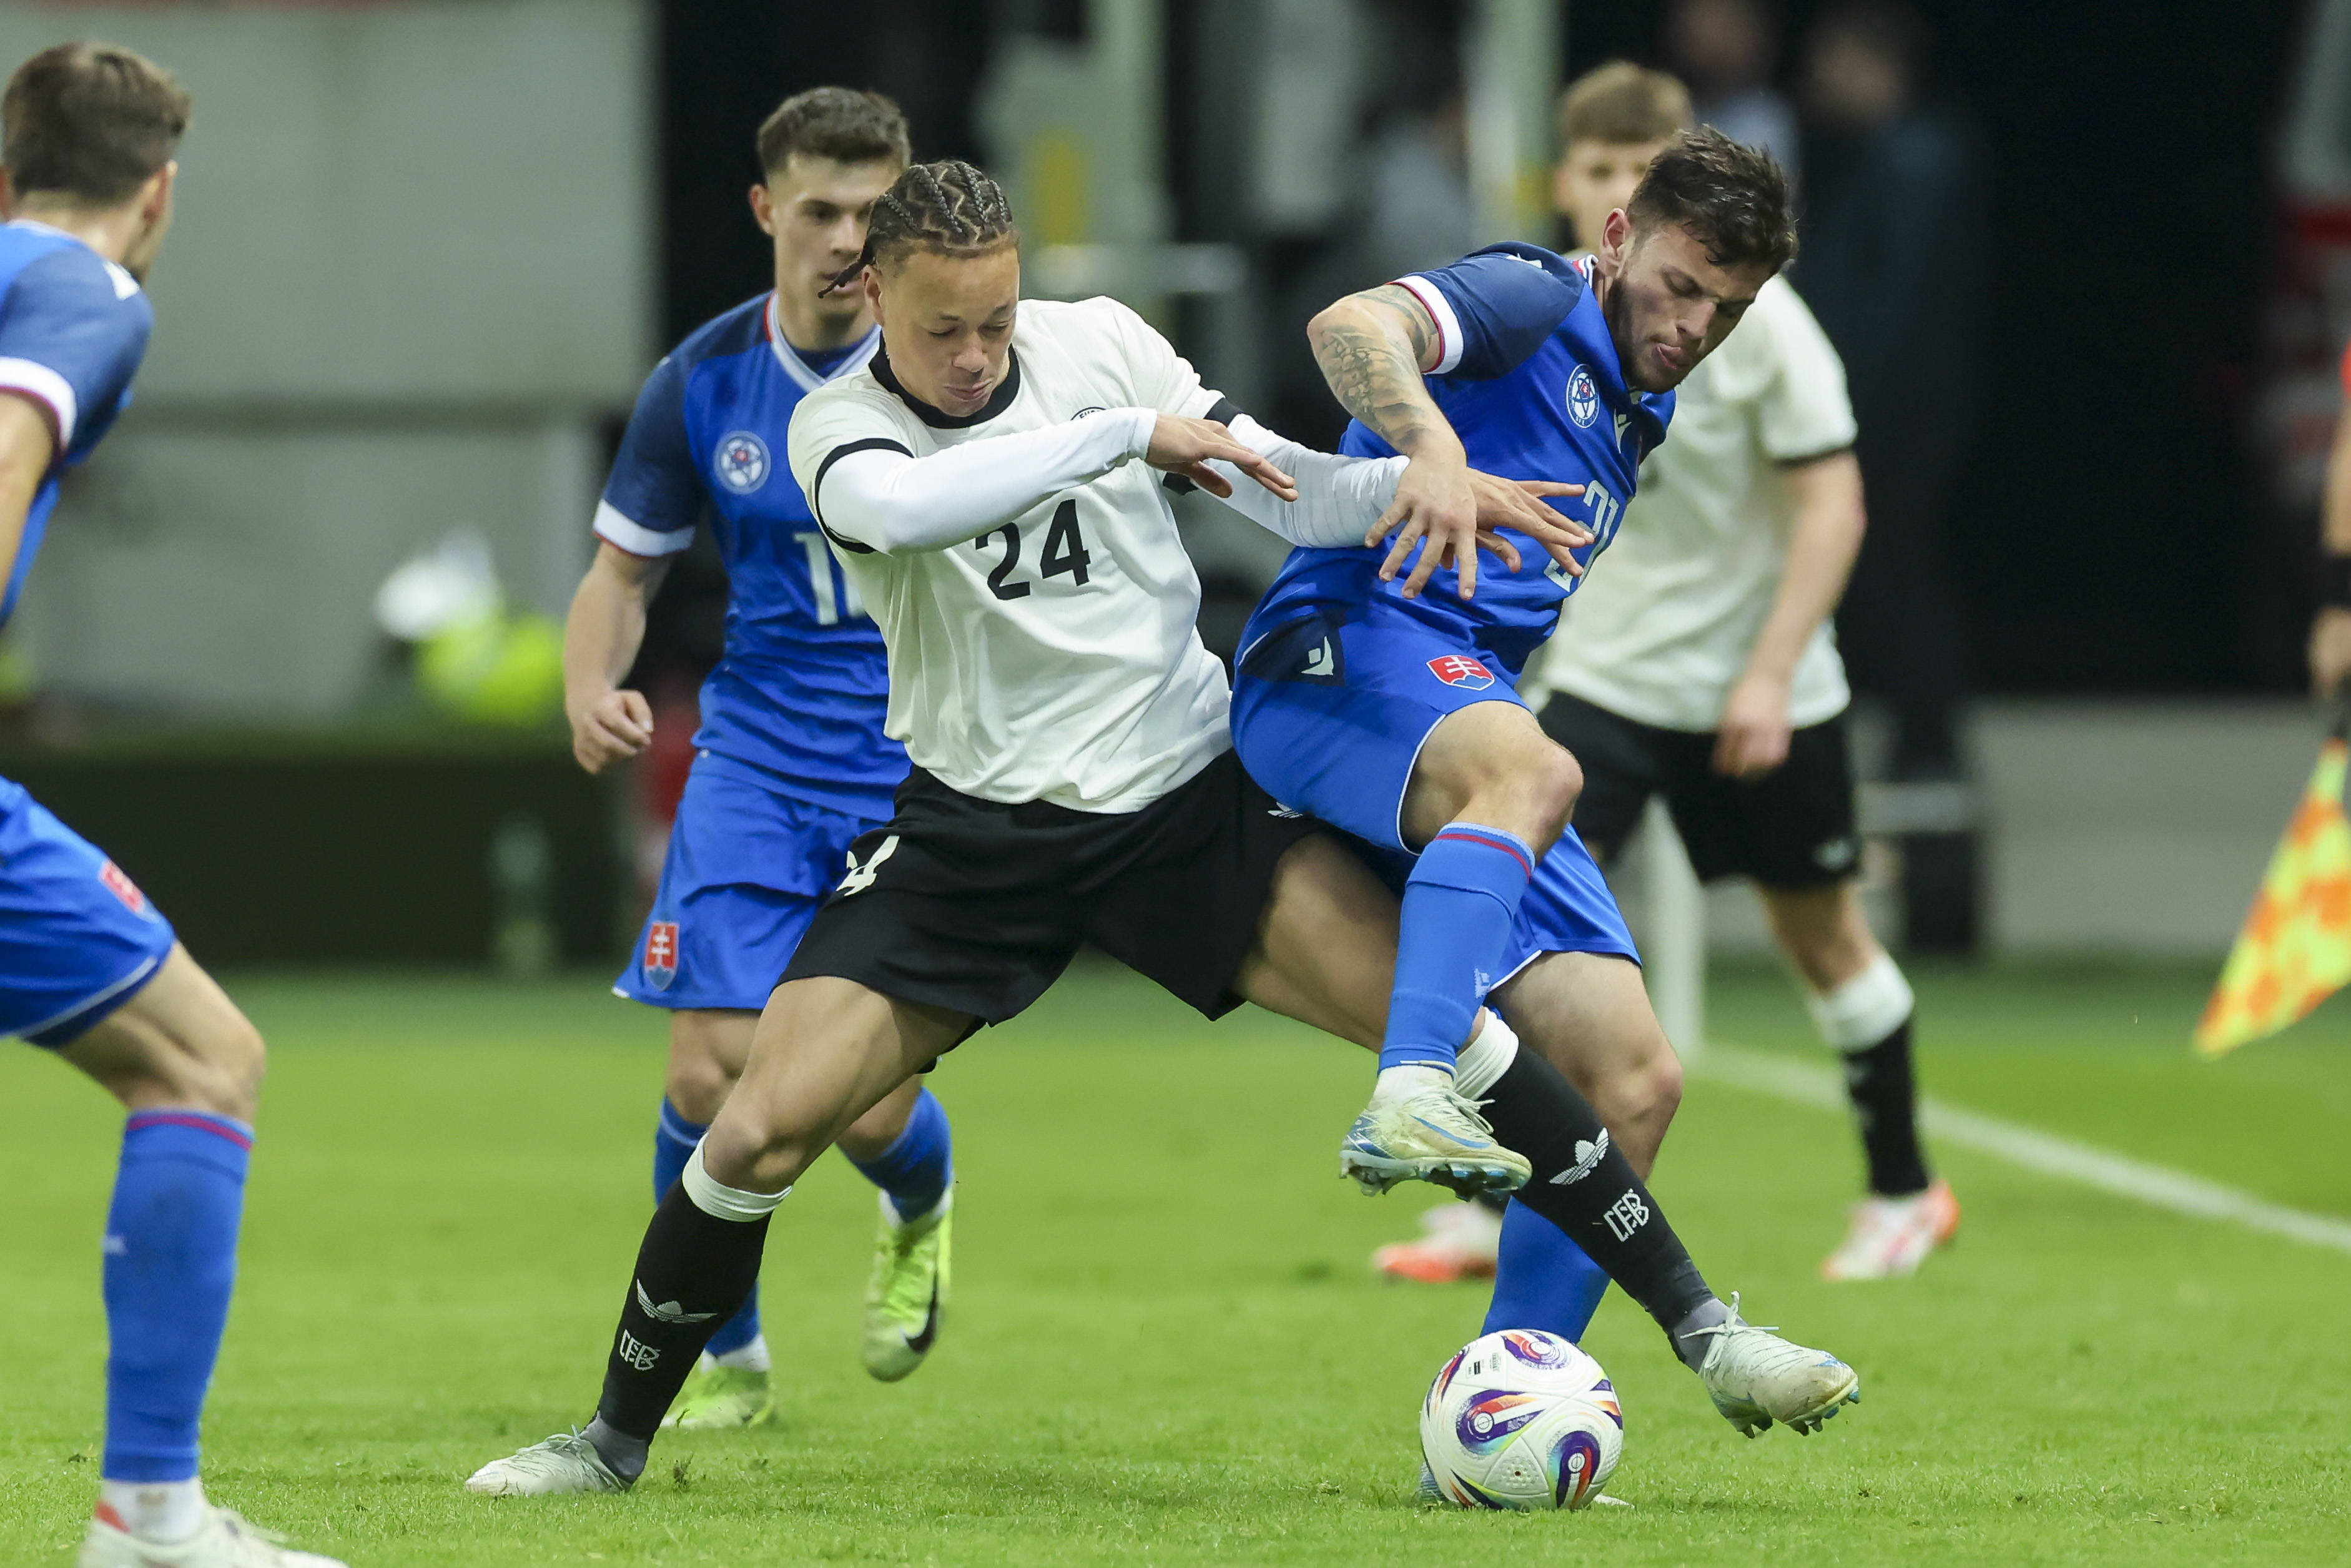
[
  {"x": 27, "y": 446},
  {"x": 876, "y": 496},
  {"x": 1373, "y": 348},
  {"x": 600, "y": 638},
  {"x": 1823, "y": 539}
]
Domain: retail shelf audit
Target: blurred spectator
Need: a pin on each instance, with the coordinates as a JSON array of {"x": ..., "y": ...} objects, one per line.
[
  {"x": 1893, "y": 265},
  {"x": 1726, "y": 51},
  {"x": 2330, "y": 633}
]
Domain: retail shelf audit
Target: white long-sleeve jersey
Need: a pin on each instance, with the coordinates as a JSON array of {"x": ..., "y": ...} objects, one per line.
[{"x": 1025, "y": 568}]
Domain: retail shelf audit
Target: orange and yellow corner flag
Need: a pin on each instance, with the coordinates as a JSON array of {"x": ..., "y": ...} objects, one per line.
[{"x": 2296, "y": 950}]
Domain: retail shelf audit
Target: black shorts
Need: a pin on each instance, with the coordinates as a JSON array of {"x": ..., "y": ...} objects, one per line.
[
  {"x": 979, "y": 906},
  {"x": 1791, "y": 828}
]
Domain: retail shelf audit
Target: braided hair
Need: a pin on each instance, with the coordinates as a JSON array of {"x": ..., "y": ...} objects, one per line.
[{"x": 947, "y": 208}]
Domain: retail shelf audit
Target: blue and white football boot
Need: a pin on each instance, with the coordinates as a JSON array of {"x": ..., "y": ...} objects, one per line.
[{"x": 1418, "y": 1129}]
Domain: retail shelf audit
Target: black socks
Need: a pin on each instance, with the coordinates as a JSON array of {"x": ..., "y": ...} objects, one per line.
[
  {"x": 1884, "y": 1096},
  {"x": 1584, "y": 1184},
  {"x": 694, "y": 1270}
]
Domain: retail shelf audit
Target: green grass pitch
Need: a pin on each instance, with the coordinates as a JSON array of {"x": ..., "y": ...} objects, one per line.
[{"x": 1165, "y": 1345}]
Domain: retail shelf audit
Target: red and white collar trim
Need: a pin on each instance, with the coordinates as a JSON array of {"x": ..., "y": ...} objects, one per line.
[{"x": 800, "y": 370}]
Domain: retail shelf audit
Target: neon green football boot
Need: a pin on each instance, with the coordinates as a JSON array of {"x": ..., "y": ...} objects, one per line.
[
  {"x": 716, "y": 1397},
  {"x": 908, "y": 1294}
]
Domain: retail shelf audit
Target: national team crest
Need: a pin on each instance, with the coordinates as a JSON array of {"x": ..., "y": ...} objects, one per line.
[
  {"x": 1461, "y": 670},
  {"x": 1583, "y": 398},
  {"x": 661, "y": 954},
  {"x": 124, "y": 888},
  {"x": 742, "y": 462}
]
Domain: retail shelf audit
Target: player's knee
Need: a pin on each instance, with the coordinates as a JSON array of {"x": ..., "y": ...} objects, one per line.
[
  {"x": 697, "y": 1084},
  {"x": 230, "y": 1060},
  {"x": 1554, "y": 780}
]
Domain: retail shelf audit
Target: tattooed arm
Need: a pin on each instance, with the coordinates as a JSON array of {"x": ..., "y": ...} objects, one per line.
[{"x": 1374, "y": 349}]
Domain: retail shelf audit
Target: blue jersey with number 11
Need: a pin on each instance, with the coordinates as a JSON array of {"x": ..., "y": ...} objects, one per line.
[
  {"x": 802, "y": 687},
  {"x": 1528, "y": 376}
]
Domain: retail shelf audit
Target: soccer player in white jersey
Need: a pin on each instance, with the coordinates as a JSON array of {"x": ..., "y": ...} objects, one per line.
[
  {"x": 1705, "y": 670},
  {"x": 791, "y": 762},
  {"x": 994, "y": 478}
]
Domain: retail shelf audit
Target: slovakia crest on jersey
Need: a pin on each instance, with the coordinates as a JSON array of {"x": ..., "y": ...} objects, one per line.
[
  {"x": 661, "y": 954},
  {"x": 1461, "y": 670},
  {"x": 1583, "y": 398},
  {"x": 743, "y": 461}
]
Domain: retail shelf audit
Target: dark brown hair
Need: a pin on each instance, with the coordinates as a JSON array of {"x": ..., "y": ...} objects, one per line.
[
  {"x": 1732, "y": 197},
  {"x": 948, "y": 208},
  {"x": 91, "y": 120},
  {"x": 836, "y": 122},
  {"x": 1623, "y": 104}
]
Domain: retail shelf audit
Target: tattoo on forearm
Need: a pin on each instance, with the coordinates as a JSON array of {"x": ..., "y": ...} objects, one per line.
[{"x": 1376, "y": 374}]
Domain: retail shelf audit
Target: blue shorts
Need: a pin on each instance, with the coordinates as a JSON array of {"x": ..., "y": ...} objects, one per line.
[
  {"x": 77, "y": 939},
  {"x": 748, "y": 864},
  {"x": 1330, "y": 712}
]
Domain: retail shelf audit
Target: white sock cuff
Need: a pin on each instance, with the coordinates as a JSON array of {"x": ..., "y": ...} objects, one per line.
[
  {"x": 1485, "y": 1057},
  {"x": 1866, "y": 1008},
  {"x": 723, "y": 1202}
]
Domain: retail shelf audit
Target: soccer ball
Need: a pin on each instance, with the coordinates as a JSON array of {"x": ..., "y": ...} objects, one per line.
[{"x": 1521, "y": 1419}]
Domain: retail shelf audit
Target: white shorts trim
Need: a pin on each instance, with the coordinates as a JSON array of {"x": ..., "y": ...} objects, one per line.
[{"x": 137, "y": 976}]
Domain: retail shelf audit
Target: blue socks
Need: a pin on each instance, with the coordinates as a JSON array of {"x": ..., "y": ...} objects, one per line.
[
  {"x": 1542, "y": 1279},
  {"x": 171, "y": 1258},
  {"x": 1458, "y": 906},
  {"x": 674, "y": 1141},
  {"x": 917, "y": 1170}
]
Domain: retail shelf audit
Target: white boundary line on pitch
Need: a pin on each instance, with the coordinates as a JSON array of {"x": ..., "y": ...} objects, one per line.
[{"x": 2157, "y": 1186}]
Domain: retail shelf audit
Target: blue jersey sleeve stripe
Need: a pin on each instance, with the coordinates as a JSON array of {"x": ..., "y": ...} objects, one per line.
[
  {"x": 45, "y": 386},
  {"x": 624, "y": 532},
  {"x": 1449, "y": 339}
]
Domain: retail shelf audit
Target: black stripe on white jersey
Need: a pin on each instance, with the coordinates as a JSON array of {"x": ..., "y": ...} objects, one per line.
[{"x": 872, "y": 444}]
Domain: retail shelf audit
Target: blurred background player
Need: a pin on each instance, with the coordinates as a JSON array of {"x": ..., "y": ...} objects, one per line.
[
  {"x": 2330, "y": 633},
  {"x": 89, "y": 969},
  {"x": 791, "y": 763},
  {"x": 1704, "y": 670}
]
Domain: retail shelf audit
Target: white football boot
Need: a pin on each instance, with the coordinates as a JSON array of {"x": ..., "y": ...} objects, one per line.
[
  {"x": 1889, "y": 1237},
  {"x": 906, "y": 1295},
  {"x": 224, "y": 1540},
  {"x": 1418, "y": 1129},
  {"x": 1755, "y": 1377},
  {"x": 566, "y": 1462}
]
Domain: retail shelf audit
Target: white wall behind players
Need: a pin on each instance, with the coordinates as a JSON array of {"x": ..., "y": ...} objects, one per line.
[{"x": 412, "y": 267}]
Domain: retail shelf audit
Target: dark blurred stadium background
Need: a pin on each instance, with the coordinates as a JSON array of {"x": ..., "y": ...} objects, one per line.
[{"x": 426, "y": 251}]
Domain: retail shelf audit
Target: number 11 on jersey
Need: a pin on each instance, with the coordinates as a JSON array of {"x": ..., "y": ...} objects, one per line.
[{"x": 832, "y": 607}]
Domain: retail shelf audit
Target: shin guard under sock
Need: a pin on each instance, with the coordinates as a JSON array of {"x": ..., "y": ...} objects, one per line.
[
  {"x": 170, "y": 1260},
  {"x": 915, "y": 1171},
  {"x": 1867, "y": 1020},
  {"x": 1584, "y": 1184},
  {"x": 1884, "y": 1093},
  {"x": 673, "y": 1140},
  {"x": 1458, "y": 905},
  {"x": 1541, "y": 1280},
  {"x": 693, "y": 1270}
]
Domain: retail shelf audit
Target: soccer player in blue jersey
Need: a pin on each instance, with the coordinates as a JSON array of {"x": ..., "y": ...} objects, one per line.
[
  {"x": 89, "y": 969},
  {"x": 791, "y": 762},
  {"x": 1388, "y": 707}
]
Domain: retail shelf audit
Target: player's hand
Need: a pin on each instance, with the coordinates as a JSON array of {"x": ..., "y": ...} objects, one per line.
[
  {"x": 1438, "y": 501},
  {"x": 1519, "y": 504},
  {"x": 1753, "y": 738},
  {"x": 611, "y": 728},
  {"x": 2330, "y": 650},
  {"x": 1187, "y": 446}
]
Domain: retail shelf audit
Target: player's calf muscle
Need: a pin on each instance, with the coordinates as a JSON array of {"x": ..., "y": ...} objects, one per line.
[{"x": 1492, "y": 764}]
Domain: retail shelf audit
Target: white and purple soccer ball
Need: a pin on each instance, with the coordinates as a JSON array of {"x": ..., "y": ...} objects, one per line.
[{"x": 1521, "y": 1419}]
